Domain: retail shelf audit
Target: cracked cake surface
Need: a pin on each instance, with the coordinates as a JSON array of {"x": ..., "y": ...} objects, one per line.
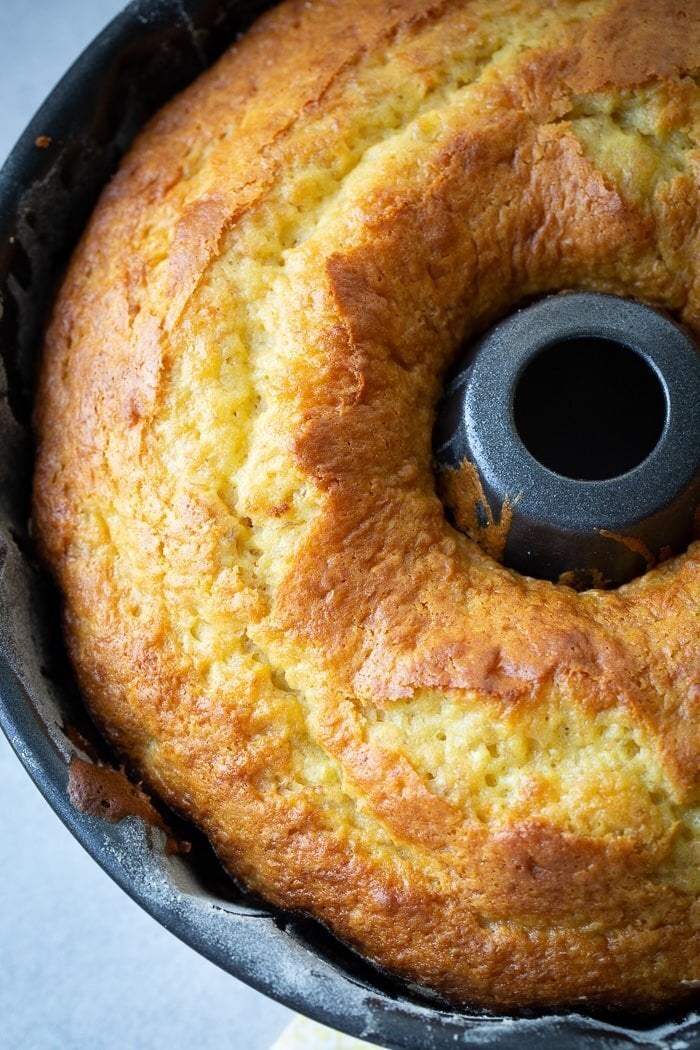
[{"x": 485, "y": 782}]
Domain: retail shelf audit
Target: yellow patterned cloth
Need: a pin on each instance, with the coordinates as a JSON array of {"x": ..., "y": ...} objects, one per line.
[{"x": 303, "y": 1034}]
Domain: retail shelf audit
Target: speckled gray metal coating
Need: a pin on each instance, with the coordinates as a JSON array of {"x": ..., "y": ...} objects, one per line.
[{"x": 561, "y": 524}]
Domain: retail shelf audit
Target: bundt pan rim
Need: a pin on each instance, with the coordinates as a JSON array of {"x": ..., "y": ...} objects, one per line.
[{"x": 48, "y": 186}]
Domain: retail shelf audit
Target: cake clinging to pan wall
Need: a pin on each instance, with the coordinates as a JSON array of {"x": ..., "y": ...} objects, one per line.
[{"x": 487, "y": 783}]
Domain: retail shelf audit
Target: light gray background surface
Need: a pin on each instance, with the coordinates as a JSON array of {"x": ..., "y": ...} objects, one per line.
[{"x": 81, "y": 966}]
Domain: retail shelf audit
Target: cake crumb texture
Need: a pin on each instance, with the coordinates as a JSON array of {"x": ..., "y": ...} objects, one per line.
[{"x": 485, "y": 782}]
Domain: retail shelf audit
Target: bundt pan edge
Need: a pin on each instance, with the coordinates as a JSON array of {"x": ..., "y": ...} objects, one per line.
[{"x": 47, "y": 189}]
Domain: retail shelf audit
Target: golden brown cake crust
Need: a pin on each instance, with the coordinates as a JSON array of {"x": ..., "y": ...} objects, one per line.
[{"x": 489, "y": 784}]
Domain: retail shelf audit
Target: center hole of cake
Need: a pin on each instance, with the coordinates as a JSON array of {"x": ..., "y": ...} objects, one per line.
[{"x": 589, "y": 409}]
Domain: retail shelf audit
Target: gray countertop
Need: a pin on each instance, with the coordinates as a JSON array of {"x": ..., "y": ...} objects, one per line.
[{"x": 81, "y": 965}]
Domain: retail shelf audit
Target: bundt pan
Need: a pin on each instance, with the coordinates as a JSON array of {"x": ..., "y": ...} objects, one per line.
[{"x": 47, "y": 189}]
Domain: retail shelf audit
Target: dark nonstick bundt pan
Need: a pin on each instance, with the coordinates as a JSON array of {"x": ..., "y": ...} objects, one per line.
[{"x": 47, "y": 189}]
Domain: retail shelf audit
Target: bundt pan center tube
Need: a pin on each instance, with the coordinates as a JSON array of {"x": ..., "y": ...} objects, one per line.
[
  {"x": 485, "y": 781},
  {"x": 568, "y": 444}
]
